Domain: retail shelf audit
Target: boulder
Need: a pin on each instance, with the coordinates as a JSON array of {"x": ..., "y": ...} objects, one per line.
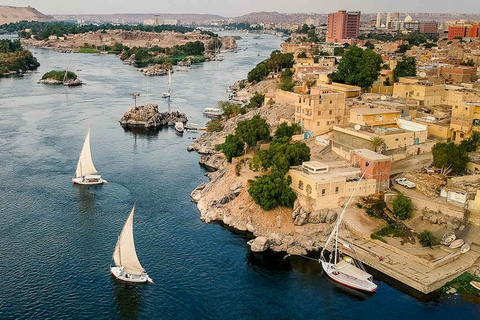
[
  {"x": 148, "y": 116},
  {"x": 260, "y": 244}
]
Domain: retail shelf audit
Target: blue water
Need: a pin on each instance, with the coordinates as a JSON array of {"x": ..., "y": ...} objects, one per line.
[{"x": 56, "y": 239}]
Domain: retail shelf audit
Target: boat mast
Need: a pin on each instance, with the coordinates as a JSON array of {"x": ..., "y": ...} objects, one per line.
[{"x": 339, "y": 219}]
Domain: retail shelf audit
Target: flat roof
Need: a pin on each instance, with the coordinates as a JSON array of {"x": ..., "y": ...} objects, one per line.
[
  {"x": 315, "y": 164},
  {"x": 337, "y": 173},
  {"x": 366, "y": 111},
  {"x": 371, "y": 155}
]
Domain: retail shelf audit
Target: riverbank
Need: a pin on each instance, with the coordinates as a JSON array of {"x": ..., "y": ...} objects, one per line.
[{"x": 301, "y": 230}]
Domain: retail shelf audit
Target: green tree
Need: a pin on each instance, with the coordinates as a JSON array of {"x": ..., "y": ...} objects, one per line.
[
  {"x": 338, "y": 51},
  {"x": 302, "y": 55},
  {"x": 271, "y": 191},
  {"x": 450, "y": 156},
  {"x": 258, "y": 73},
  {"x": 358, "y": 67},
  {"x": 402, "y": 207},
  {"x": 469, "y": 62},
  {"x": 407, "y": 67},
  {"x": 214, "y": 126},
  {"x": 376, "y": 142},
  {"x": 281, "y": 154},
  {"x": 403, "y": 48},
  {"x": 427, "y": 239},
  {"x": 253, "y": 130},
  {"x": 256, "y": 100},
  {"x": 233, "y": 147},
  {"x": 231, "y": 109},
  {"x": 285, "y": 130},
  {"x": 369, "y": 45}
]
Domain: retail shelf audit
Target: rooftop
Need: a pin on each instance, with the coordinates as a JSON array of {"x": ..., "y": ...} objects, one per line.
[
  {"x": 371, "y": 155},
  {"x": 338, "y": 171},
  {"x": 367, "y": 111}
]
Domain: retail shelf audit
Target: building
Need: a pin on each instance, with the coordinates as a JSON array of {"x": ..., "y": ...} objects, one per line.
[
  {"x": 425, "y": 92},
  {"x": 389, "y": 19},
  {"x": 373, "y": 116},
  {"x": 172, "y": 22},
  {"x": 429, "y": 27},
  {"x": 378, "y": 23},
  {"x": 471, "y": 31},
  {"x": 343, "y": 26},
  {"x": 318, "y": 111},
  {"x": 458, "y": 74},
  {"x": 465, "y": 120},
  {"x": 378, "y": 165},
  {"x": 329, "y": 184}
]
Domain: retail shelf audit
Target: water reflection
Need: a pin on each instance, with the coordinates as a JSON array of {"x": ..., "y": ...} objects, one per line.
[
  {"x": 142, "y": 131},
  {"x": 268, "y": 260},
  {"x": 127, "y": 298},
  {"x": 85, "y": 199}
]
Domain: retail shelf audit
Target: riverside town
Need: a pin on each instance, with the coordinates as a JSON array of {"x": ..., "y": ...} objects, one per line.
[{"x": 317, "y": 162}]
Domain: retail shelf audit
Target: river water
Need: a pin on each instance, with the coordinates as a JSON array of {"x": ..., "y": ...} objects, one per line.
[{"x": 56, "y": 239}]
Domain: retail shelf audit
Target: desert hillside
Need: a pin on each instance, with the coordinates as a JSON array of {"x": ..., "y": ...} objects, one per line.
[{"x": 14, "y": 14}]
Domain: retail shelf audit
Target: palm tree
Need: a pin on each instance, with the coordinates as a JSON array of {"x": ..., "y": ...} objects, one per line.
[{"x": 376, "y": 142}]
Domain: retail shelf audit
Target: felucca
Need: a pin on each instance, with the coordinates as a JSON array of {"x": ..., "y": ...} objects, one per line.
[
  {"x": 127, "y": 267},
  {"x": 167, "y": 94},
  {"x": 86, "y": 172},
  {"x": 341, "y": 267}
]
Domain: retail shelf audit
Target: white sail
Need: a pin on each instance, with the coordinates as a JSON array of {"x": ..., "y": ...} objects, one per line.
[
  {"x": 85, "y": 164},
  {"x": 124, "y": 253},
  {"x": 169, "y": 79}
]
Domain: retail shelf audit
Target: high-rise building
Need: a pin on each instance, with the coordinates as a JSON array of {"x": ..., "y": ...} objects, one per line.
[
  {"x": 430, "y": 27},
  {"x": 396, "y": 16},
  {"x": 378, "y": 24},
  {"x": 389, "y": 18},
  {"x": 343, "y": 25}
]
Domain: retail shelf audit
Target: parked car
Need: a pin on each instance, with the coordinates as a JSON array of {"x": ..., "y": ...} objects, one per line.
[{"x": 406, "y": 183}]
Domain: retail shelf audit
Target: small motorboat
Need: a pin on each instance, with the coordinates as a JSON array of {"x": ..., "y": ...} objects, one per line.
[
  {"x": 465, "y": 248},
  {"x": 475, "y": 284},
  {"x": 457, "y": 244},
  {"x": 448, "y": 238},
  {"x": 179, "y": 128}
]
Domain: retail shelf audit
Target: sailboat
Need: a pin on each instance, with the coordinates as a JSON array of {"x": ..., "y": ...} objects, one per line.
[
  {"x": 127, "y": 267},
  {"x": 341, "y": 267},
  {"x": 167, "y": 94},
  {"x": 71, "y": 82},
  {"x": 86, "y": 172}
]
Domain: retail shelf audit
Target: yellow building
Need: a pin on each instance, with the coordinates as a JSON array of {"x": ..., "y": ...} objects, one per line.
[
  {"x": 465, "y": 120},
  {"x": 436, "y": 128},
  {"x": 318, "y": 111},
  {"x": 427, "y": 93},
  {"x": 373, "y": 116},
  {"x": 328, "y": 184}
]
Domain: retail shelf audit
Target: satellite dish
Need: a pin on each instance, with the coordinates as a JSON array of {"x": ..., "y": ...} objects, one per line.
[
  {"x": 383, "y": 97},
  {"x": 394, "y": 96},
  {"x": 422, "y": 74},
  {"x": 357, "y": 127}
]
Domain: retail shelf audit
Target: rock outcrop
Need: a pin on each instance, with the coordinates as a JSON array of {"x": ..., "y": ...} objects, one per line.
[
  {"x": 155, "y": 70},
  {"x": 148, "y": 116}
]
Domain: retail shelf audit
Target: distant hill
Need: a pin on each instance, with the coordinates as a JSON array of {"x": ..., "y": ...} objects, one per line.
[
  {"x": 183, "y": 18},
  {"x": 275, "y": 17},
  {"x": 14, "y": 14}
]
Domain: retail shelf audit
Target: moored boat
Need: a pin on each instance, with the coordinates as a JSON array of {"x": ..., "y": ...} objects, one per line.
[
  {"x": 127, "y": 267},
  {"x": 465, "y": 248},
  {"x": 212, "y": 112},
  {"x": 448, "y": 238},
  {"x": 86, "y": 171},
  {"x": 475, "y": 284},
  {"x": 179, "y": 128},
  {"x": 343, "y": 268},
  {"x": 457, "y": 244}
]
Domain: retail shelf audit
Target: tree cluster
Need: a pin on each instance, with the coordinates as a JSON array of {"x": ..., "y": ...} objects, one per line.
[
  {"x": 59, "y": 75},
  {"x": 14, "y": 58},
  {"x": 272, "y": 190},
  {"x": 358, "y": 67},
  {"x": 285, "y": 130},
  {"x": 277, "y": 61},
  {"x": 286, "y": 80},
  {"x": 469, "y": 63},
  {"x": 407, "y": 67},
  {"x": 253, "y": 130},
  {"x": 402, "y": 207},
  {"x": 450, "y": 156},
  {"x": 310, "y": 33}
]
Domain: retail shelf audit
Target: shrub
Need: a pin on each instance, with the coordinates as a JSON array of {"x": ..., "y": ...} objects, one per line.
[
  {"x": 271, "y": 191},
  {"x": 376, "y": 236},
  {"x": 257, "y": 100},
  {"x": 214, "y": 126},
  {"x": 402, "y": 207},
  {"x": 233, "y": 147},
  {"x": 284, "y": 130},
  {"x": 427, "y": 239}
]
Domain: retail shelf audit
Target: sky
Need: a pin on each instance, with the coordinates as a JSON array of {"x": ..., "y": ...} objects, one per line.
[{"x": 232, "y": 8}]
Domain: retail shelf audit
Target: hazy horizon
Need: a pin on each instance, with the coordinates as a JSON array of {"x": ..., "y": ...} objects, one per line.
[{"x": 233, "y": 8}]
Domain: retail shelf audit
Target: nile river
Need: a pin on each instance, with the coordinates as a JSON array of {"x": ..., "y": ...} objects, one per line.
[{"x": 56, "y": 239}]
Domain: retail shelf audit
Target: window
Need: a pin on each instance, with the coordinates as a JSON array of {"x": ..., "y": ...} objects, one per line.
[
  {"x": 318, "y": 124},
  {"x": 328, "y": 122},
  {"x": 331, "y": 101},
  {"x": 358, "y": 117},
  {"x": 336, "y": 190},
  {"x": 319, "y": 113},
  {"x": 330, "y": 112},
  {"x": 309, "y": 190},
  {"x": 396, "y": 139},
  {"x": 300, "y": 185},
  {"x": 323, "y": 192},
  {"x": 381, "y": 118}
]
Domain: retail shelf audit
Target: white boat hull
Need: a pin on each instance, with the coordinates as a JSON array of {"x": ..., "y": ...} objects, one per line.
[
  {"x": 332, "y": 273},
  {"x": 165, "y": 95},
  {"x": 88, "y": 182},
  {"x": 118, "y": 272}
]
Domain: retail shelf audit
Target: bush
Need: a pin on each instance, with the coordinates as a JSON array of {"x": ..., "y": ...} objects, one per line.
[
  {"x": 284, "y": 130},
  {"x": 271, "y": 191},
  {"x": 391, "y": 230},
  {"x": 257, "y": 100},
  {"x": 214, "y": 126},
  {"x": 376, "y": 236},
  {"x": 241, "y": 85},
  {"x": 233, "y": 147},
  {"x": 427, "y": 239},
  {"x": 251, "y": 131},
  {"x": 402, "y": 207}
]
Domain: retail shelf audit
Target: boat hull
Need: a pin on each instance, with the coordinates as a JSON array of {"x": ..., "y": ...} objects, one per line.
[
  {"x": 86, "y": 182},
  {"x": 118, "y": 272},
  {"x": 339, "y": 278}
]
